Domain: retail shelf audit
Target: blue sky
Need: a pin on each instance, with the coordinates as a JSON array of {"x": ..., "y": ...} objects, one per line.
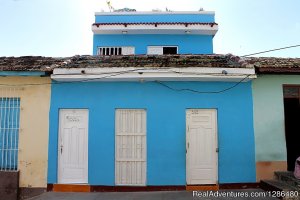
[{"x": 63, "y": 27}]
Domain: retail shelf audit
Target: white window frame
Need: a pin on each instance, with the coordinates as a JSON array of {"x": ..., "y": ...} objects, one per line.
[
  {"x": 159, "y": 50},
  {"x": 125, "y": 50}
]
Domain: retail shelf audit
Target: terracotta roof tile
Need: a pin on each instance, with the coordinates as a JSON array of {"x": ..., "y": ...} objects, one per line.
[
  {"x": 47, "y": 64},
  {"x": 271, "y": 65},
  {"x": 29, "y": 63}
]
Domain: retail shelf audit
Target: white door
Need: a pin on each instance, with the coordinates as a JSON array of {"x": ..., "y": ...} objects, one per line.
[
  {"x": 73, "y": 146},
  {"x": 130, "y": 147},
  {"x": 201, "y": 146}
]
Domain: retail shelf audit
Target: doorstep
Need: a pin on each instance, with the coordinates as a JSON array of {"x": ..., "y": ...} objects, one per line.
[
  {"x": 202, "y": 187},
  {"x": 71, "y": 188}
]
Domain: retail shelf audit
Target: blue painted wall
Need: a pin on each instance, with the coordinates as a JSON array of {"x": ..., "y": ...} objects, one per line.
[
  {"x": 205, "y": 18},
  {"x": 166, "y": 111},
  {"x": 21, "y": 73},
  {"x": 187, "y": 44}
]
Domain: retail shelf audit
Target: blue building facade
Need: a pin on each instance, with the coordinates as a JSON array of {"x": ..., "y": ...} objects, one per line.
[
  {"x": 189, "y": 32},
  {"x": 120, "y": 119},
  {"x": 166, "y": 125}
]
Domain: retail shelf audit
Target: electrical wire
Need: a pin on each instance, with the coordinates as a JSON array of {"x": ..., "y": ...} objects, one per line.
[
  {"x": 112, "y": 74},
  {"x": 203, "y": 92},
  {"x": 288, "y": 47}
]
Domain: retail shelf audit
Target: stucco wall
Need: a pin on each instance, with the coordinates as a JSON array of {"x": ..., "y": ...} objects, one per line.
[
  {"x": 167, "y": 17},
  {"x": 269, "y": 119},
  {"x": 166, "y": 109},
  {"x": 34, "y": 127},
  {"x": 187, "y": 44}
]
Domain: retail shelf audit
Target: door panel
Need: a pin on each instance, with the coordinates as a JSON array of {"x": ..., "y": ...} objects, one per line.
[
  {"x": 201, "y": 144},
  {"x": 73, "y": 146},
  {"x": 130, "y": 147}
]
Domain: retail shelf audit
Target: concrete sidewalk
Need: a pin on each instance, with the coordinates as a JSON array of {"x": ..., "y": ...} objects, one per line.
[{"x": 166, "y": 195}]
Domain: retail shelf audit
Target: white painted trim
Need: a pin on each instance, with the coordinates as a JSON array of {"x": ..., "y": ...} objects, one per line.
[
  {"x": 157, "y": 13},
  {"x": 198, "y": 29},
  {"x": 152, "y": 74}
]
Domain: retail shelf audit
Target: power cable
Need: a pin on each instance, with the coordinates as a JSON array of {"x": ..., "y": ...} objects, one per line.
[
  {"x": 202, "y": 92},
  {"x": 69, "y": 82},
  {"x": 112, "y": 74},
  {"x": 288, "y": 47}
]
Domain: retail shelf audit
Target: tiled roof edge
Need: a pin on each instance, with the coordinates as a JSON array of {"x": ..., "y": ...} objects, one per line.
[{"x": 47, "y": 64}]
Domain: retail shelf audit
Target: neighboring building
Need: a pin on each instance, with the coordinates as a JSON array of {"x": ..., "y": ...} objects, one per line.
[
  {"x": 24, "y": 114},
  {"x": 276, "y": 114},
  {"x": 128, "y": 33},
  {"x": 152, "y": 121}
]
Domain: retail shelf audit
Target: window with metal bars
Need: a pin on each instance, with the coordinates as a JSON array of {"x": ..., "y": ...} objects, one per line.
[
  {"x": 114, "y": 51},
  {"x": 107, "y": 51},
  {"x": 9, "y": 133}
]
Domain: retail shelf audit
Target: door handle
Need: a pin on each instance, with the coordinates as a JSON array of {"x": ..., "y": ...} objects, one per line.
[
  {"x": 61, "y": 149},
  {"x": 217, "y": 150},
  {"x": 187, "y": 147}
]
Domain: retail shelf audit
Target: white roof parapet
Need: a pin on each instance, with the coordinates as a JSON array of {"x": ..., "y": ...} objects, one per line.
[
  {"x": 153, "y": 74},
  {"x": 157, "y": 13},
  {"x": 159, "y": 28}
]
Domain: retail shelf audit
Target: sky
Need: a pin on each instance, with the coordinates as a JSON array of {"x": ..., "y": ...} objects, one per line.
[{"x": 61, "y": 28}]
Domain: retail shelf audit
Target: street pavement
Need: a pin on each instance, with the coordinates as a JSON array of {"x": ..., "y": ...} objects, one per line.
[{"x": 165, "y": 195}]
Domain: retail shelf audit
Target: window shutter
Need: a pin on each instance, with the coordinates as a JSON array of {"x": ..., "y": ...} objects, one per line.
[
  {"x": 153, "y": 50},
  {"x": 127, "y": 50}
]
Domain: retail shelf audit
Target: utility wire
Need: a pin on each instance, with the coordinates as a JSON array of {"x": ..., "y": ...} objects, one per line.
[
  {"x": 69, "y": 82},
  {"x": 112, "y": 74},
  {"x": 288, "y": 47},
  {"x": 202, "y": 92},
  {"x": 108, "y": 75}
]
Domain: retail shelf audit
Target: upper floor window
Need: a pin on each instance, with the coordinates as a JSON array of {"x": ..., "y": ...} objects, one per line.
[
  {"x": 113, "y": 51},
  {"x": 162, "y": 50}
]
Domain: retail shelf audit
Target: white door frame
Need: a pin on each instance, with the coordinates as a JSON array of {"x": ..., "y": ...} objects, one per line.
[
  {"x": 60, "y": 146},
  {"x": 214, "y": 148}
]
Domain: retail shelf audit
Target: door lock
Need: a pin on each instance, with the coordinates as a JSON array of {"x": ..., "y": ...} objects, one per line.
[{"x": 61, "y": 149}]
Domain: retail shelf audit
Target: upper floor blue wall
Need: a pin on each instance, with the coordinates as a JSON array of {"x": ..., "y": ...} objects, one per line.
[
  {"x": 204, "y": 18},
  {"x": 187, "y": 44}
]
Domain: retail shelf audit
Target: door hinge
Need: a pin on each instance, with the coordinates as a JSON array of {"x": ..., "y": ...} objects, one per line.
[{"x": 217, "y": 149}]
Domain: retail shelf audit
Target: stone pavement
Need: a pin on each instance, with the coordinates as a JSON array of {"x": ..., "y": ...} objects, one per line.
[{"x": 165, "y": 195}]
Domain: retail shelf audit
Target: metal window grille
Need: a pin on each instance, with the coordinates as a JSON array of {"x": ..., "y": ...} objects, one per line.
[
  {"x": 109, "y": 51},
  {"x": 114, "y": 51},
  {"x": 9, "y": 128}
]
